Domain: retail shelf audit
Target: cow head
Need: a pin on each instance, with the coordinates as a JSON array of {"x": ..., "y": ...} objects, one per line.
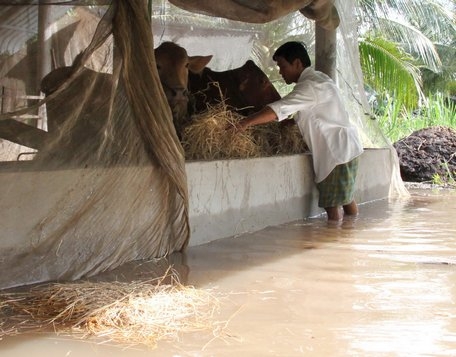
[
  {"x": 173, "y": 64},
  {"x": 255, "y": 87}
]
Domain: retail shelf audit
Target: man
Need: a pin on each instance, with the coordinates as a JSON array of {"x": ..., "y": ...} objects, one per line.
[{"x": 324, "y": 125}]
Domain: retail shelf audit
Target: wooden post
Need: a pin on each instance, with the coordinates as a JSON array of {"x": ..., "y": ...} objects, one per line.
[
  {"x": 44, "y": 42},
  {"x": 44, "y": 63},
  {"x": 325, "y": 51},
  {"x": 2, "y": 95}
]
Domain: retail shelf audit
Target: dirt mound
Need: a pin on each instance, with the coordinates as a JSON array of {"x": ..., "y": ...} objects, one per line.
[{"x": 427, "y": 152}]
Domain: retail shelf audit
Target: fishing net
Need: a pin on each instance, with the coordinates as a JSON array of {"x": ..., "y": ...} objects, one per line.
[{"x": 92, "y": 171}]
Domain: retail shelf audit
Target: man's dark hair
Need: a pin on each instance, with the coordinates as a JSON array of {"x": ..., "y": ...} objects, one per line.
[{"x": 293, "y": 50}]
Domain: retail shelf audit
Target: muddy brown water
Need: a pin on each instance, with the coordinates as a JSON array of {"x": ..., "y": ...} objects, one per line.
[{"x": 383, "y": 284}]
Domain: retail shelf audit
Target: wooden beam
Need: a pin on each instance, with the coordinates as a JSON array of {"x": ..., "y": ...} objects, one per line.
[{"x": 23, "y": 134}]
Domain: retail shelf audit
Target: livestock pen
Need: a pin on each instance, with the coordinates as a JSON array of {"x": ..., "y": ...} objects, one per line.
[{"x": 127, "y": 193}]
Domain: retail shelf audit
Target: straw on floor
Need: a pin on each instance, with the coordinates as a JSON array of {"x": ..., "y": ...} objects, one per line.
[{"x": 127, "y": 313}]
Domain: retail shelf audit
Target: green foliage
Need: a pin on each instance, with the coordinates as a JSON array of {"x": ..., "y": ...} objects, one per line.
[
  {"x": 437, "y": 180},
  {"x": 396, "y": 122},
  {"x": 388, "y": 69},
  {"x": 422, "y": 30},
  {"x": 437, "y": 81},
  {"x": 451, "y": 88},
  {"x": 407, "y": 50},
  {"x": 445, "y": 180}
]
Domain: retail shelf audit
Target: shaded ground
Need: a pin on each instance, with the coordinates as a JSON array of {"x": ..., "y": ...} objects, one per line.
[{"x": 426, "y": 153}]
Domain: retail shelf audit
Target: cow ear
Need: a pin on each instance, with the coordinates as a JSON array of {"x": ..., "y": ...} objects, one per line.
[{"x": 197, "y": 63}]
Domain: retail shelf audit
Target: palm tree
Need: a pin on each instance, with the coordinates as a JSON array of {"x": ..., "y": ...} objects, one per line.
[
  {"x": 390, "y": 71},
  {"x": 410, "y": 41}
]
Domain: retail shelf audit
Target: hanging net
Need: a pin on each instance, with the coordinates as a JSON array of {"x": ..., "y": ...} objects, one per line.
[
  {"x": 92, "y": 169},
  {"x": 102, "y": 180}
]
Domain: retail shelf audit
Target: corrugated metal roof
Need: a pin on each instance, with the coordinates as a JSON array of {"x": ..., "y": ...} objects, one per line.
[
  {"x": 19, "y": 19},
  {"x": 18, "y": 24}
]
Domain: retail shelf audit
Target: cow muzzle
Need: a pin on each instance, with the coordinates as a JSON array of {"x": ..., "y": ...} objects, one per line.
[{"x": 178, "y": 100}]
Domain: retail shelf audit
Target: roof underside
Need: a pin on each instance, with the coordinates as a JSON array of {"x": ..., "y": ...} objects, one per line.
[{"x": 19, "y": 20}]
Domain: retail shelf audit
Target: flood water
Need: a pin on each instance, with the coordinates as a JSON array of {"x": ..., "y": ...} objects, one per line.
[{"x": 383, "y": 284}]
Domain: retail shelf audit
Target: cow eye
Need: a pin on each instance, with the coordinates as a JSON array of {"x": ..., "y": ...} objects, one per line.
[{"x": 187, "y": 64}]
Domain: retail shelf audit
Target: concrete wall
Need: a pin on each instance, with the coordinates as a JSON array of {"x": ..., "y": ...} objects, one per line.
[
  {"x": 227, "y": 198},
  {"x": 231, "y": 197}
]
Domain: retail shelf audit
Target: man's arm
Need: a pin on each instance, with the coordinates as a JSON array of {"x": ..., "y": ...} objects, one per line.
[{"x": 264, "y": 116}]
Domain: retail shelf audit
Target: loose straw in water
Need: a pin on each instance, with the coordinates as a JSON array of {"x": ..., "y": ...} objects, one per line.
[{"x": 127, "y": 313}]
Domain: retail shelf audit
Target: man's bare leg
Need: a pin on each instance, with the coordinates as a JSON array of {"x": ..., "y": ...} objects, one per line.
[
  {"x": 334, "y": 213},
  {"x": 351, "y": 208}
]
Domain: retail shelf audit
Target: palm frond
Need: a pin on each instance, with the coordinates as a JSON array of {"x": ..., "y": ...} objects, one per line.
[
  {"x": 416, "y": 25},
  {"x": 413, "y": 41},
  {"x": 388, "y": 69},
  {"x": 437, "y": 21}
]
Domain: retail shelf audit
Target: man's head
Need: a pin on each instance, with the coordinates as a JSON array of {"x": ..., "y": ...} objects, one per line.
[{"x": 292, "y": 58}]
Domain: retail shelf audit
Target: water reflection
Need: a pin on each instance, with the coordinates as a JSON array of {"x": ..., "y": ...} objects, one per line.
[
  {"x": 383, "y": 284},
  {"x": 407, "y": 284}
]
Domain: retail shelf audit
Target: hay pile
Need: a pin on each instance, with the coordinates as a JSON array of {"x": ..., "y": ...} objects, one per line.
[
  {"x": 127, "y": 313},
  {"x": 291, "y": 140},
  {"x": 210, "y": 136}
]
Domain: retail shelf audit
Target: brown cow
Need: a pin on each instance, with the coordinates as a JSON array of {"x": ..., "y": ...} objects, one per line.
[
  {"x": 246, "y": 89},
  {"x": 174, "y": 66}
]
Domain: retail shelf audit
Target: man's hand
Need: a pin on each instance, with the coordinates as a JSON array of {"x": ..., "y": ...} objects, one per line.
[
  {"x": 264, "y": 116},
  {"x": 238, "y": 127},
  {"x": 241, "y": 125}
]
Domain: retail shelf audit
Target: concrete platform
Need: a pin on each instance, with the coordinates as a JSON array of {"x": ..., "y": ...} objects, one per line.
[{"x": 232, "y": 197}]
